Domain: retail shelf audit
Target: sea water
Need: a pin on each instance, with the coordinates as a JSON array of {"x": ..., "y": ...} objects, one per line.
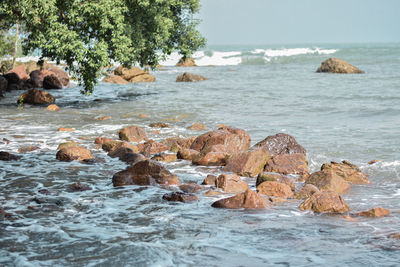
[{"x": 262, "y": 89}]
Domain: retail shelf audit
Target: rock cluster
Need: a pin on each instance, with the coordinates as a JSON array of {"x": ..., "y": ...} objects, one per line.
[{"x": 122, "y": 75}]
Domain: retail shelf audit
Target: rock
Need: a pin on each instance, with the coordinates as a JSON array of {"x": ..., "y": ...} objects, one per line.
[
  {"x": 165, "y": 157},
  {"x": 36, "y": 97},
  {"x": 306, "y": 191},
  {"x": 186, "y": 62},
  {"x": 4, "y": 214},
  {"x": 144, "y": 78},
  {"x": 103, "y": 118},
  {"x": 16, "y": 75},
  {"x": 275, "y": 189},
  {"x": 211, "y": 158},
  {"x": 37, "y": 77},
  {"x": 8, "y": 156},
  {"x": 121, "y": 148},
  {"x": 128, "y": 74},
  {"x": 3, "y": 84},
  {"x": 288, "y": 164},
  {"x": 67, "y": 145},
  {"x": 190, "y": 188},
  {"x": 62, "y": 76},
  {"x": 74, "y": 153},
  {"x": 132, "y": 158},
  {"x": 231, "y": 183},
  {"x": 325, "y": 202},
  {"x": 132, "y": 134},
  {"x": 64, "y": 129},
  {"x": 189, "y": 77},
  {"x": 213, "y": 193},
  {"x": 109, "y": 145},
  {"x": 79, "y": 187},
  {"x": 275, "y": 177},
  {"x": 52, "y": 82},
  {"x": 175, "y": 144},
  {"x": 180, "y": 196},
  {"x": 151, "y": 147},
  {"x": 115, "y": 79},
  {"x": 52, "y": 107},
  {"x": 375, "y": 212},
  {"x": 26, "y": 149},
  {"x": 146, "y": 172},
  {"x": 197, "y": 127},
  {"x": 328, "y": 181},
  {"x": 280, "y": 144},
  {"x": 348, "y": 171},
  {"x": 188, "y": 154},
  {"x": 160, "y": 125},
  {"x": 246, "y": 200},
  {"x": 394, "y": 235},
  {"x": 102, "y": 140},
  {"x": 334, "y": 65},
  {"x": 373, "y": 161},
  {"x": 247, "y": 163},
  {"x": 210, "y": 180}
]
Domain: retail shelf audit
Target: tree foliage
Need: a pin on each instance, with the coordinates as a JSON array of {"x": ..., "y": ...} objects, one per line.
[{"x": 91, "y": 34}]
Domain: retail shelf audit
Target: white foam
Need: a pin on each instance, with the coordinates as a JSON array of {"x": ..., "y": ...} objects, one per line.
[
  {"x": 288, "y": 52},
  {"x": 216, "y": 59}
]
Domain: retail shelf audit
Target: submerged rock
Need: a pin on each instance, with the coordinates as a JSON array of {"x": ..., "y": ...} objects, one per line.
[
  {"x": 8, "y": 156},
  {"x": 275, "y": 189},
  {"x": 197, "y": 127},
  {"x": 36, "y": 97},
  {"x": 247, "y": 163},
  {"x": 132, "y": 134},
  {"x": 325, "y": 202},
  {"x": 335, "y": 65},
  {"x": 180, "y": 197},
  {"x": 375, "y": 212},
  {"x": 246, "y": 200},
  {"x": 159, "y": 125},
  {"x": 280, "y": 144},
  {"x": 231, "y": 183},
  {"x": 74, "y": 153},
  {"x": 79, "y": 187},
  {"x": 189, "y": 77}
]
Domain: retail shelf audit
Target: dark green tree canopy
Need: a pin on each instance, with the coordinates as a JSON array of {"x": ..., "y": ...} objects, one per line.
[{"x": 91, "y": 34}]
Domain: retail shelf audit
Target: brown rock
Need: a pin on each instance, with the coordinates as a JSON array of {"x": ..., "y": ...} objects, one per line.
[
  {"x": 213, "y": 193},
  {"x": 160, "y": 125},
  {"x": 132, "y": 158},
  {"x": 74, "y": 153},
  {"x": 348, "y": 171},
  {"x": 334, "y": 65},
  {"x": 3, "y": 84},
  {"x": 373, "y": 161},
  {"x": 288, "y": 164},
  {"x": 210, "y": 159},
  {"x": 26, "y": 149},
  {"x": 394, "y": 235},
  {"x": 175, "y": 144},
  {"x": 186, "y": 62},
  {"x": 231, "y": 183},
  {"x": 62, "y": 76},
  {"x": 375, "y": 212},
  {"x": 187, "y": 154},
  {"x": 246, "y": 200},
  {"x": 17, "y": 74},
  {"x": 36, "y": 97},
  {"x": 67, "y": 145},
  {"x": 210, "y": 180},
  {"x": 102, "y": 140},
  {"x": 189, "y": 77},
  {"x": 121, "y": 148},
  {"x": 306, "y": 191},
  {"x": 275, "y": 177},
  {"x": 328, "y": 181},
  {"x": 144, "y": 78},
  {"x": 197, "y": 127},
  {"x": 115, "y": 79},
  {"x": 275, "y": 189},
  {"x": 51, "y": 81},
  {"x": 128, "y": 74},
  {"x": 52, "y": 107},
  {"x": 63, "y": 129},
  {"x": 79, "y": 187},
  {"x": 190, "y": 188},
  {"x": 180, "y": 196},
  {"x": 325, "y": 202},
  {"x": 165, "y": 157},
  {"x": 151, "y": 147},
  {"x": 109, "y": 145},
  {"x": 280, "y": 144},
  {"x": 8, "y": 156},
  {"x": 132, "y": 134},
  {"x": 146, "y": 172},
  {"x": 247, "y": 163},
  {"x": 37, "y": 77}
]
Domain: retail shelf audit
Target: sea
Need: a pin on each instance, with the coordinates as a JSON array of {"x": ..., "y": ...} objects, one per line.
[{"x": 263, "y": 89}]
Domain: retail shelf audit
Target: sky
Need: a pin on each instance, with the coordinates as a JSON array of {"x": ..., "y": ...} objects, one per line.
[{"x": 299, "y": 21}]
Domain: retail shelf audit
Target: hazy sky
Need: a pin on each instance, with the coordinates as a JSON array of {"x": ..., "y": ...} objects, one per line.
[{"x": 299, "y": 21}]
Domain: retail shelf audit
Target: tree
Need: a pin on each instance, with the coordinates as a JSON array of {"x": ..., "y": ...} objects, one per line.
[{"x": 91, "y": 34}]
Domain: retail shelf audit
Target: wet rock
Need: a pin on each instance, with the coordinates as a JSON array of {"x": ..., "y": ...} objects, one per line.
[
  {"x": 348, "y": 171},
  {"x": 3, "y": 84},
  {"x": 79, "y": 187},
  {"x": 306, "y": 191},
  {"x": 5, "y": 156},
  {"x": 231, "y": 183},
  {"x": 67, "y": 145},
  {"x": 190, "y": 188},
  {"x": 74, "y": 153},
  {"x": 37, "y": 77},
  {"x": 280, "y": 144},
  {"x": 187, "y": 154},
  {"x": 132, "y": 134},
  {"x": 144, "y": 78},
  {"x": 115, "y": 79},
  {"x": 334, "y": 65},
  {"x": 246, "y": 200},
  {"x": 4, "y": 214},
  {"x": 121, "y": 148},
  {"x": 247, "y": 163},
  {"x": 16, "y": 75},
  {"x": 180, "y": 197},
  {"x": 52, "y": 82},
  {"x": 213, "y": 193},
  {"x": 288, "y": 164},
  {"x": 394, "y": 235},
  {"x": 128, "y": 74},
  {"x": 175, "y": 144},
  {"x": 102, "y": 140},
  {"x": 64, "y": 129},
  {"x": 147, "y": 172},
  {"x": 275, "y": 177},
  {"x": 103, "y": 118},
  {"x": 132, "y": 158},
  {"x": 210, "y": 159},
  {"x": 197, "y": 127},
  {"x": 165, "y": 157},
  {"x": 109, "y": 145},
  {"x": 151, "y": 147},
  {"x": 36, "y": 97},
  {"x": 328, "y": 181},
  {"x": 6, "y": 141},
  {"x": 186, "y": 62},
  {"x": 373, "y": 161},
  {"x": 44, "y": 191},
  {"x": 275, "y": 189},
  {"x": 210, "y": 180},
  {"x": 189, "y": 77},
  {"x": 325, "y": 202},
  {"x": 375, "y": 212},
  {"x": 62, "y": 76},
  {"x": 26, "y": 149},
  {"x": 52, "y": 107},
  {"x": 160, "y": 125}
]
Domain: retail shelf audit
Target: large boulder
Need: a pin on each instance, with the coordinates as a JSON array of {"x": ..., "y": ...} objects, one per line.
[
  {"x": 325, "y": 202},
  {"x": 115, "y": 79},
  {"x": 247, "y": 163},
  {"x": 189, "y": 77},
  {"x": 17, "y": 74},
  {"x": 188, "y": 154},
  {"x": 245, "y": 200},
  {"x": 334, "y": 65},
  {"x": 37, "y": 77},
  {"x": 328, "y": 181},
  {"x": 186, "y": 62},
  {"x": 275, "y": 189},
  {"x": 62, "y": 75},
  {"x": 348, "y": 171},
  {"x": 36, "y": 97},
  {"x": 288, "y": 164},
  {"x": 128, "y": 74},
  {"x": 231, "y": 183},
  {"x": 51, "y": 81},
  {"x": 146, "y": 172},
  {"x": 144, "y": 78},
  {"x": 74, "y": 153},
  {"x": 132, "y": 134},
  {"x": 280, "y": 144}
]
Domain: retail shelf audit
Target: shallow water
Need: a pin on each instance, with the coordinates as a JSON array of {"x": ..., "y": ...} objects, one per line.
[{"x": 335, "y": 117}]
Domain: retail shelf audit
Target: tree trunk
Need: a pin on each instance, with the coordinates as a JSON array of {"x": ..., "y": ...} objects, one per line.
[{"x": 15, "y": 46}]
